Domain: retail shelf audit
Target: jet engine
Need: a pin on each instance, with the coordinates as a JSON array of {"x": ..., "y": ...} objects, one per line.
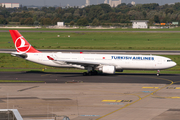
[{"x": 108, "y": 69}]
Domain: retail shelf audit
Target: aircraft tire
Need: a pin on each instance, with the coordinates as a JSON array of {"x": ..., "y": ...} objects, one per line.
[
  {"x": 95, "y": 73},
  {"x": 85, "y": 74},
  {"x": 90, "y": 73}
]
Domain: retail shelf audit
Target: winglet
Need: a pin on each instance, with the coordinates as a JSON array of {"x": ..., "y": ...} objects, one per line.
[{"x": 21, "y": 44}]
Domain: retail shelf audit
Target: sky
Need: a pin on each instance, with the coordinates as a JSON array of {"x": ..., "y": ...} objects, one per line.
[{"x": 79, "y": 2}]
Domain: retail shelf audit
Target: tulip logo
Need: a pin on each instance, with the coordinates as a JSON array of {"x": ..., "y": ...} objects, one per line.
[{"x": 22, "y": 45}]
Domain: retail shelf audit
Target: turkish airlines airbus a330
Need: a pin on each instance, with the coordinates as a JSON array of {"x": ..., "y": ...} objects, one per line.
[{"x": 106, "y": 63}]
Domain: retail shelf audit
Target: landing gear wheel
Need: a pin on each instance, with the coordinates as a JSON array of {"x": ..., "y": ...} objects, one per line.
[
  {"x": 85, "y": 74},
  {"x": 95, "y": 72},
  {"x": 90, "y": 73}
]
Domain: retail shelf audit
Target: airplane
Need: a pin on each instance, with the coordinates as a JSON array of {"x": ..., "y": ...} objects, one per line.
[{"x": 106, "y": 63}]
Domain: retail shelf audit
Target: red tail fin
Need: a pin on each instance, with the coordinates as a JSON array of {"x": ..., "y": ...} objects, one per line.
[{"x": 21, "y": 43}]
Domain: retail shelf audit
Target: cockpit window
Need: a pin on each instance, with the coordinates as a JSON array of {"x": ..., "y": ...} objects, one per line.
[{"x": 169, "y": 60}]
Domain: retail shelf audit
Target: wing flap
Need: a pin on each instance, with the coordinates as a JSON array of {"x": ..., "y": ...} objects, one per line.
[
  {"x": 83, "y": 63},
  {"x": 79, "y": 62}
]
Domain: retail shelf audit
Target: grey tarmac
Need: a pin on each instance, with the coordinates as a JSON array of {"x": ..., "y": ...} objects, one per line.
[
  {"x": 57, "y": 77},
  {"x": 103, "y": 97}
]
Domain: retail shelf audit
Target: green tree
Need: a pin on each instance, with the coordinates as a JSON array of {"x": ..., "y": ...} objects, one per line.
[
  {"x": 95, "y": 12},
  {"x": 169, "y": 11},
  {"x": 3, "y": 21},
  {"x": 82, "y": 22},
  {"x": 59, "y": 10},
  {"x": 72, "y": 23},
  {"x": 106, "y": 8},
  {"x": 55, "y": 20},
  {"x": 5, "y": 13},
  {"x": 45, "y": 9},
  {"x": 122, "y": 8},
  {"x": 36, "y": 22},
  {"x": 144, "y": 14},
  {"x": 76, "y": 13},
  {"x": 22, "y": 21},
  {"x": 15, "y": 19},
  {"x": 156, "y": 19},
  {"x": 46, "y": 21},
  {"x": 84, "y": 13},
  {"x": 24, "y": 8},
  {"x": 67, "y": 16},
  {"x": 177, "y": 6},
  {"x": 151, "y": 6},
  {"x": 29, "y": 21},
  {"x": 95, "y": 22},
  {"x": 122, "y": 4}
]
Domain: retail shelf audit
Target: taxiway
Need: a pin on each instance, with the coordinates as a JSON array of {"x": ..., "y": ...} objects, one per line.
[{"x": 103, "y": 97}]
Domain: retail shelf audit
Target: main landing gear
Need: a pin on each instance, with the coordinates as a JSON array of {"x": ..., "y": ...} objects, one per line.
[
  {"x": 90, "y": 73},
  {"x": 158, "y": 72}
]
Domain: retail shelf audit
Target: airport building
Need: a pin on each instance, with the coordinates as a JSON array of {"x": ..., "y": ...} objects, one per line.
[
  {"x": 60, "y": 24},
  {"x": 105, "y": 2},
  {"x": 133, "y": 3},
  {"x": 87, "y": 3},
  {"x": 113, "y": 3},
  {"x": 10, "y": 5},
  {"x": 140, "y": 24}
]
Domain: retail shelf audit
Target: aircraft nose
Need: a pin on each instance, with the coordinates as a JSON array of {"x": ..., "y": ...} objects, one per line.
[{"x": 174, "y": 64}]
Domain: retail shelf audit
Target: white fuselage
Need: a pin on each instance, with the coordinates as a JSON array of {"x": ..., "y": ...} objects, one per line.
[
  {"x": 106, "y": 63},
  {"x": 120, "y": 62}
]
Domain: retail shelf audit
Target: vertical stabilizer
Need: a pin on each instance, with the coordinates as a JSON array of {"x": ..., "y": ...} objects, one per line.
[{"x": 21, "y": 44}]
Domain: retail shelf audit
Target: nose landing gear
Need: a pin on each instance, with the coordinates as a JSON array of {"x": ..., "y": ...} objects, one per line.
[{"x": 158, "y": 72}]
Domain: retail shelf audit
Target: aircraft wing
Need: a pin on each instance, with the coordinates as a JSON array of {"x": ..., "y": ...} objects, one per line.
[{"x": 82, "y": 63}]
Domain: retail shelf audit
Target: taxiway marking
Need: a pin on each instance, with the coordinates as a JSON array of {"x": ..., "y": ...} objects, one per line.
[
  {"x": 150, "y": 87},
  {"x": 116, "y": 101},
  {"x": 140, "y": 97},
  {"x": 173, "y": 87}
]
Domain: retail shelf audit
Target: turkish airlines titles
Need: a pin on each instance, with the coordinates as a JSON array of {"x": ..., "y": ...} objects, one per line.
[{"x": 131, "y": 58}]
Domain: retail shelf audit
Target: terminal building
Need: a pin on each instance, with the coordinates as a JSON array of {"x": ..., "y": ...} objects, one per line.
[{"x": 10, "y": 5}]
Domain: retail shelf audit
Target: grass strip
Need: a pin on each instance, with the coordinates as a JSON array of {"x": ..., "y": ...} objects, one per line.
[{"x": 97, "y": 40}]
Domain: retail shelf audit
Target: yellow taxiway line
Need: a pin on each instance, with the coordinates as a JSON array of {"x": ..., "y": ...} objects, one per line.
[
  {"x": 116, "y": 101},
  {"x": 140, "y": 98},
  {"x": 150, "y": 87}
]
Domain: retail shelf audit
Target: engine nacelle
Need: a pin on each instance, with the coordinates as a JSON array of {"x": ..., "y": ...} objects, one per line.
[{"x": 108, "y": 69}]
